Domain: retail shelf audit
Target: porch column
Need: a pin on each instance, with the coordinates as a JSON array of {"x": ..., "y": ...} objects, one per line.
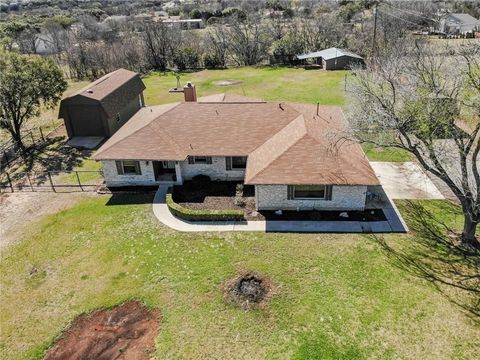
[{"x": 178, "y": 173}]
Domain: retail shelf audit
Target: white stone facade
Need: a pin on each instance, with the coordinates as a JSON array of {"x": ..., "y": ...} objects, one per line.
[
  {"x": 267, "y": 197},
  {"x": 217, "y": 170},
  {"x": 274, "y": 197},
  {"x": 112, "y": 178}
]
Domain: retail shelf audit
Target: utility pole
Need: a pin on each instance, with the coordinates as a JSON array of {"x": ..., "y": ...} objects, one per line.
[{"x": 374, "y": 45}]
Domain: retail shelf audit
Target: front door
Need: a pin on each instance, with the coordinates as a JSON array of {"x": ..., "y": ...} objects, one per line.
[{"x": 164, "y": 170}]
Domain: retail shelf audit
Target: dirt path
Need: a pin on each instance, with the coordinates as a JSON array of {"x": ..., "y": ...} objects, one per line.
[{"x": 20, "y": 208}]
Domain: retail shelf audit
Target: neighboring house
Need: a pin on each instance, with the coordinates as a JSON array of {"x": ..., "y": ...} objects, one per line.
[
  {"x": 458, "y": 24},
  {"x": 333, "y": 58},
  {"x": 183, "y": 24},
  {"x": 294, "y": 154},
  {"x": 102, "y": 107}
]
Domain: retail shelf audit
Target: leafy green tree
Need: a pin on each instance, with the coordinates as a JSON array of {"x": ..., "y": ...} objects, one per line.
[
  {"x": 27, "y": 83},
  {"x": 186, "y": 58}
]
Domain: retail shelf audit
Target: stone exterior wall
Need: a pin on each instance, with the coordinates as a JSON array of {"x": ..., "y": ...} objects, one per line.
[
  {"x": 112, "y": 178},
  {"x": 217, "y": 170},
  {"x": 185, "y": 171},
  {"x": 274, "y": 197}
]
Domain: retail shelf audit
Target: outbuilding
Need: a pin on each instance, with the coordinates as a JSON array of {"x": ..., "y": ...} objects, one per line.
[
  {"x": 102, "y": 107},
  {"x": 333, "y": 59},
  {"x": 458, "y": 24}
]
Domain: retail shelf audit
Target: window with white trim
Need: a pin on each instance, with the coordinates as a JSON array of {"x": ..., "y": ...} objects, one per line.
[{"x": 128, "y": 167}]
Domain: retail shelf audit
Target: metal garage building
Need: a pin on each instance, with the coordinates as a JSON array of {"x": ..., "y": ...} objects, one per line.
[
  {"x": 102, "y": 107},
  {"x": 333, "y": 58}
]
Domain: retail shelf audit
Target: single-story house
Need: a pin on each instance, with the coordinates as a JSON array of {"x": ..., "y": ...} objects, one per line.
[
  {"x": 293, "y": 154},
  {"x": 333, "y": 58},
  {"x": 102, "y": 107},
  {"x": 458, "y": 24}
]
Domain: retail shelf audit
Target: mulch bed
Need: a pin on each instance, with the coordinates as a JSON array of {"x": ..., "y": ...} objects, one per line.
[
  {"x": 127, "y": 331},
  {"x": 218, "y": 195},
  {"x": 367, "y": 215}
]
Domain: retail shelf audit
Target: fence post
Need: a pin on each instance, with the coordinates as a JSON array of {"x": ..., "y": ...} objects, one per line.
[
  {"x": 78, "y": 178},
  {"x": 51, "y": 182},
  {"x": 41, "y": 134},
  {"x": 30, "y": 182},
  {"x": 9, "y": 181},
  {"x": 6, "y": 157}
]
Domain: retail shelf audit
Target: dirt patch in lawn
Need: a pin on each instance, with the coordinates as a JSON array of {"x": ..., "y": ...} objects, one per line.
[
  {"x": 125, "y": 332},
  {"x": 227, "y": 82},
  {"x": 247, "y": 290},
  {"x": 18, "y": 210}
]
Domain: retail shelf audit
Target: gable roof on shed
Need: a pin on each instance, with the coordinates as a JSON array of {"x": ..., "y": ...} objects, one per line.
[
  {"x": 464, "y": 19},
  {"x": 329, "y": 54},
  {"x": 285, "y": 143},
  {"x": 111, "y": 91}
]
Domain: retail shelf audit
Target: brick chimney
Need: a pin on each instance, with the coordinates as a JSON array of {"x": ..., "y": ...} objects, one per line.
[{"x": 189, "y": 92}]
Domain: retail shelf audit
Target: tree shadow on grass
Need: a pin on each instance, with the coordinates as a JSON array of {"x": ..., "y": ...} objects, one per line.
[
  {"x": 436, "y": 255},
  {"x": 53, "y": 155}
]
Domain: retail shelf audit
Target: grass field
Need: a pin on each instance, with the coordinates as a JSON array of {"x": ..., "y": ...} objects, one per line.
[
  {"x": 268, "y": 83},
  {"x": 335, "y": 296},
  {"x": 386, "y": 154}
]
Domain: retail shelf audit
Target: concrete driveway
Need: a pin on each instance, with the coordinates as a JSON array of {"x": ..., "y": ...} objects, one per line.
[{"x": 405, "y": 180}]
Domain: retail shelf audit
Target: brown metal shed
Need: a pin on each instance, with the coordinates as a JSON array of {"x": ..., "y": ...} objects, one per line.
[{"x": 103, "y": 106}]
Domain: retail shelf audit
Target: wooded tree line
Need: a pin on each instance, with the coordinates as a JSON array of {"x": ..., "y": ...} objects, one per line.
[{"x": 89, "y": 48}]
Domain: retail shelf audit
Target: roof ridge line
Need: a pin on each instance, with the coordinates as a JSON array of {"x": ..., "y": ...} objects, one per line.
[
  {"x": 137, "y": 130},
  {"x": 276, "y": 158},
  {"x": 295, "y": 118}
]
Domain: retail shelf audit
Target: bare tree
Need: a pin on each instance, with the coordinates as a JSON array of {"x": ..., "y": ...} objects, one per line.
[
  {"x": 247, "y": 41},
  {"x": 414, "y": 101},
  {"x": 216, "y": 42},
  {"x": 322, "y": 32},
  {"x": 159, "y": 43}
]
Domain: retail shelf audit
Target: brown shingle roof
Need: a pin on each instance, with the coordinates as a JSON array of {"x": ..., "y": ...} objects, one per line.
[
  {"x": 285, "y": 143},
  {"x": 113, "y": 90},
  {"x": 208, "y": 129},
  {"x": 310, "y": 150}
]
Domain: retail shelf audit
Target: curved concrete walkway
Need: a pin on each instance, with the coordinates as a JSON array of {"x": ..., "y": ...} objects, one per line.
[
  {"x": 163, "y": 214},
  {"x": 161, "y": 211}
]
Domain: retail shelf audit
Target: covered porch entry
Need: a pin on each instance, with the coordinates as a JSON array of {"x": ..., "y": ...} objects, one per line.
[{"x": 167, "y": 171}]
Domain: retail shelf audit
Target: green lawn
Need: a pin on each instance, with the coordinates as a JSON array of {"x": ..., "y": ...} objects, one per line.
[
  {"x": 386, "y": 154},
  {"x": 268, "y": 83},
  {"x": 335, "y": 296}
]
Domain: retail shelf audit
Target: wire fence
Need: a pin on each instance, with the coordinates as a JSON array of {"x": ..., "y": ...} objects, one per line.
[
  {"x": 10, "y": 152},
  {"x": 56, "y": 181}
]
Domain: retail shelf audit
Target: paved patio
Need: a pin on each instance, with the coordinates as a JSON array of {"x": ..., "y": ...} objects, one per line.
[
  {"x": 405, "y": 180},
  {"x": 394, "y": 222}
]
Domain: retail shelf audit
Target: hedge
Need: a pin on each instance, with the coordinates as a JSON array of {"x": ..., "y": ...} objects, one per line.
[{"x": 201, "y": 215}]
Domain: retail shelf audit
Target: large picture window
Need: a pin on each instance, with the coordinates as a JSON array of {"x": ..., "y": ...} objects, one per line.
[
  {"x": 128, "y": 167},
  {"x": 309, "y": 192}
]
